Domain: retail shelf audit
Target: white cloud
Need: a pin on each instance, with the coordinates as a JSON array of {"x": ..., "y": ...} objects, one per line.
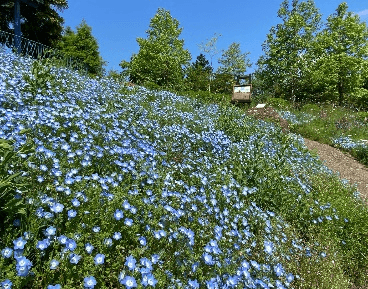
[{"x": 363, "y": 13}]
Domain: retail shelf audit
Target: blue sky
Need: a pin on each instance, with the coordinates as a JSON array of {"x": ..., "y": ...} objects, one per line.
[{"x": 116, "y": 24}]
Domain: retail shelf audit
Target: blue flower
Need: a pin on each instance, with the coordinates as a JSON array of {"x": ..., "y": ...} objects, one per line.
[
  {"x": 54, "y": 264},
  {"x": 118, "y": 214},
  {"x": 74, "y": 258},
  {"x": 142, "y": 240},
  {"x": 50, "y": 231},
  {"x": 23, "y": 266},
  {"x": 89, "y": 282},
  {"x": 89, "y": 248},
  {"x": 128, "y": 222},
  {"x": 268, "y": 247},
  {"x": 99, "y": 259},
  {"x": 70, "y": 244},
  {"x": 6, "y": 284},
  {"x": 75, "y": 202},
  {"x": 130, "y": 262},
  {"x": 57, "y": 208},
  {"x": 56, "y": 286},
  {"x": 193, "y": 284},
  {"x": 72, "y": 214},
  {"x": 7, "y": 252},
  {"x": 279, "y": 270},
  {"x": 128, "y": 281},
  {"x": 146, "y": 262},
  {"x": 42, "y": 245},
  {"x": 19, "y": 243},
  {"x": 117, "y": 236},
  {"x": 208, "y": 259},
  {"x": 149, "y": 279}
]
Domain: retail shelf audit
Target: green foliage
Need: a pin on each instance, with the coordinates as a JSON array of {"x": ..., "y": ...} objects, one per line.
[
  {"x": 12, "y": 182},
  {"x": 223, "y": 83},
  {"x": 341, "y": 49},
  {"x": 82, "y": 47},
  {"x": 233, "y": 61},
  {"x": 283, "y": 68},
  {"x": 198, "y": 74},
  {"x": 279, "y": 103},
  {"x": 42, "y": 24},
  {"x": 161, "y": 58}
]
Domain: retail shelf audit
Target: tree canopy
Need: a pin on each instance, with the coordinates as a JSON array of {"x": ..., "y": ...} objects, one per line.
[
  {"x": 83, "y": 47},
  {"x": 161, "y": 58},
  {"x": 233, "y": 61},
  {"x": 42, "y": 24}
]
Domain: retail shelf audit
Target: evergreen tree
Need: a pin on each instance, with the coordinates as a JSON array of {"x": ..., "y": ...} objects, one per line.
[
  {"x": 342, "y": 48},
  {"x": 198, "y": 74},
  {"x": 83, "y": 47},
  {"x": 284, "y": 66},
  {"x": 42, "y": 24},
  {"x": 161, "y": 58}
]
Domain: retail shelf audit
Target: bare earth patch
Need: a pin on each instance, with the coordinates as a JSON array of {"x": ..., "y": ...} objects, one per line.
[{"x": 347, "y": 167}]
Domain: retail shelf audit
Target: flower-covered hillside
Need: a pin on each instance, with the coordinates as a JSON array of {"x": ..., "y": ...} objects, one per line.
[{"x": 131, "y": 188}]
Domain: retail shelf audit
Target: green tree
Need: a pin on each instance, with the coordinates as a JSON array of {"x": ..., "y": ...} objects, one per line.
[
  {"x": 342, "y": 49},
  {"x": 162, "y": 58},
  {"x": 42, "y": 24},
  {"x": 83, "y": 47},
  {"x": 198, "y": 74},
  {"x": 287, "y": 50},
  {"x": 233, "y": 61}
]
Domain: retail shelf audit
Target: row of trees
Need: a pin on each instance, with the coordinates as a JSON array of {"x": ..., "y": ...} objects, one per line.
[
  {"x": 305, "y": 58},
  {"x": 163, "y": 60}
]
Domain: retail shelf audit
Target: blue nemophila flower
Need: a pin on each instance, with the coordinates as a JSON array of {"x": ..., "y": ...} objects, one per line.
[
  {"x": 149, "y": 280},
  {"x": 50, "y": 231},
  {"x": 57, "y": 208},
  {"x": 142, "y": 240},
  {"x": 128, "y": 281},
  {"x": 89, "y": 282},
  {"x": 96, "y": 229},
  {"x": 56, "y": 286},
  {"x": 193, "y": 283},
  {"x": 130, "y": 262},
  {"x": 54, "y": 264},
  {"x": 268, "y": 247},
  {"x": 146, "y": 262},
  {"x": 117, "y": 236},
  {"x": 118, "y": 214},
  {"x": 19, "y": 243},
  {"x": 75, "y": 202},
  {"x": 207, "y": 258},
  {"x": 89, "y": 248},
  {"x": 7, "y": 252},
  {"x": 74, "y": 258},
  {"x": 62, "y": 239},
  {"x": 108, "y": 242},
  {"x": 99, "y": 259},
  {"x": 23, "y": 266},
  {"x": 43, "y": 244},
  {"x": 6, "y": 284},
  {"x": 279, "y": 270},
  {"x": 70, "y": 244},
  {"x": 128, "y": 222},
  {"x": 72, "y": 214}
]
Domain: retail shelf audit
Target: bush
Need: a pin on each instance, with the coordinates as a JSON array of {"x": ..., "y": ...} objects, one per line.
[{"x": 279, "y": 103}]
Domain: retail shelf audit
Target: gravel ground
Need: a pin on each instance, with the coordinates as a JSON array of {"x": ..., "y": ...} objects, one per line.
[{"x": 344, "y": 164}]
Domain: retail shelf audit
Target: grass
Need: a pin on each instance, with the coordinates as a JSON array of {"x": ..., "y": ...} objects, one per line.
[{"x": 120, "y": 187}]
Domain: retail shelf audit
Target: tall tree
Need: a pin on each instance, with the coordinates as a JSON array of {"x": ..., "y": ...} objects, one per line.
[
  {"x": 233, "y": 61},
  {"x": 161, "y": 58},
  {"x": 198, "y": 74},
  {"x": 284, "y": 65},
  {"x": 342, "y": 48},
  {"x": 83, "y": 47},
  {"x": 42, "y": 24}
]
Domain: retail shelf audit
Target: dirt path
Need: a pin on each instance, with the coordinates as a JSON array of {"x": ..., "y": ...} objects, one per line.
[{"x": 343, "y": 163}]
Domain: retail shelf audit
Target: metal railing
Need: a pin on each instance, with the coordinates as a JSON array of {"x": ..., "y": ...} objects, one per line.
[{"x": 37, "y": 50}]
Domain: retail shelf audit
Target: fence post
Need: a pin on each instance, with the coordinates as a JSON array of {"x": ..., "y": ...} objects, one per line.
[{"x": 17, "y": 32}]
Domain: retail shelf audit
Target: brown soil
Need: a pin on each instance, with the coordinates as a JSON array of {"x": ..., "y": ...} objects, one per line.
[{"x": 338, "y": 161}]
